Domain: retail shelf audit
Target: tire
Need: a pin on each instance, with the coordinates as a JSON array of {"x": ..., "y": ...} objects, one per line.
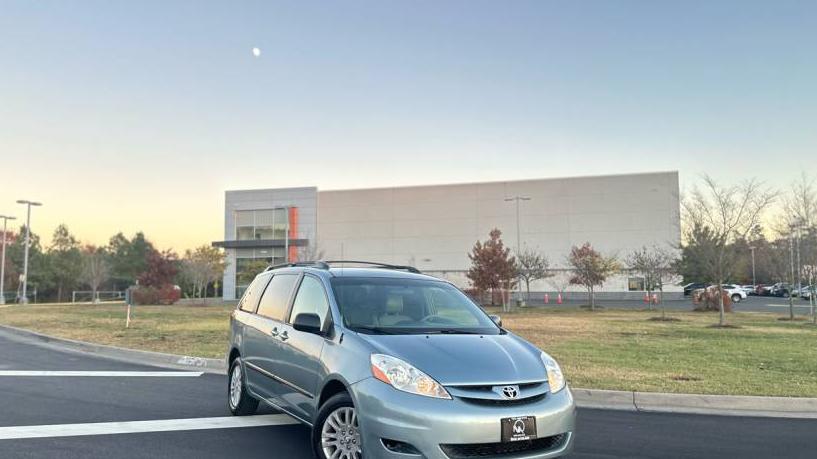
[
  {"x": 341, "y": 409},
  {"x": 240, "y": 402},
  {"x": 736, "y": 298}
]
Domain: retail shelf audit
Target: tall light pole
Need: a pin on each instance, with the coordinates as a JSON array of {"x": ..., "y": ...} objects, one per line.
[
  {"x": 754, "y": 277},
  {"x": 791, "y": 286},
  {"x": 6, "y": 219},
  {"x": 518, "y": 234},
  {"x": 28, "y": 204}
]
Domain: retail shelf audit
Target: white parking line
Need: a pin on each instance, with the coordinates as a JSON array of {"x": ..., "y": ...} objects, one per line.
[
  {"x": 106, "y": 374},
  {"x": 166, "y": 425}
]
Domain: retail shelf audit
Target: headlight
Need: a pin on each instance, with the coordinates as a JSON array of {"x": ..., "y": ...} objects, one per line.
[
  {"x": 556, "y": 379},
  {"x": 405, "y": 377}
]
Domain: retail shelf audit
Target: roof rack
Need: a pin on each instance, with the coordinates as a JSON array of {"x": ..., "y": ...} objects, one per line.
[
  {"x": 303, "y": 264},
  {"x": 325, "y": 265},
  {"x": 410, "y": 269}
]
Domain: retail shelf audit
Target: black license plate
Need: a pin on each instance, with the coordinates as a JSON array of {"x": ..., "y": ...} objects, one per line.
[{"x": 518, "y": 429}]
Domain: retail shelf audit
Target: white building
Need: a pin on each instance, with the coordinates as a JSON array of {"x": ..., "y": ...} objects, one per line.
[{"x": 434, "y": 227}]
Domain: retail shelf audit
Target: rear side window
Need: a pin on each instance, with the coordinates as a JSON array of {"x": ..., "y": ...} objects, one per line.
[
  {"x": 250, "y": 298},
  {"x": 311, "y": 299},
  {"x": 275, "y": 300}
]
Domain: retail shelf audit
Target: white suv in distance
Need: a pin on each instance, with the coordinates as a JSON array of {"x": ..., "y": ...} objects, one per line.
[{"x": 735, "y": 292}]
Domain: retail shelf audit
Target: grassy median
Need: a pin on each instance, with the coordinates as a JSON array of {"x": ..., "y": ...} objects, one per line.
[{"x": 610, "y": 349}]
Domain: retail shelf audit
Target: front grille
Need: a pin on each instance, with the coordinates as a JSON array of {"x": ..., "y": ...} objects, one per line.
[
  {"x": 505, "y": 402},
  {"x": 462, "y": 451}
]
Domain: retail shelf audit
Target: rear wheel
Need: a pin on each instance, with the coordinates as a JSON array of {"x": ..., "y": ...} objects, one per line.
[
  {"x": 736, "y": 298},
  {"x": 240, "y": 402},
  {"x": 336, "y": 434}
]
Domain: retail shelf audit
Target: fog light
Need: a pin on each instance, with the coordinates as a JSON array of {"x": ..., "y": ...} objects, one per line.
[{"x": 400, "y": 447}]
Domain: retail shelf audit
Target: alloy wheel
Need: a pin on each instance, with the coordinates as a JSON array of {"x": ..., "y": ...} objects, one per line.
[
  {"x": 340, "y": 435},
  {"x": 235, "y": 387}
]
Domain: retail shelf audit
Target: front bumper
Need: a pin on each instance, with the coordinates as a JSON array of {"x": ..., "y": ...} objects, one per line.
[{"x": 426, "y": 423}]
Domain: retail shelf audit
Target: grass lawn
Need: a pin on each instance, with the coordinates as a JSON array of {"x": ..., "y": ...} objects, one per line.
[{"x": 609, "y": 349}]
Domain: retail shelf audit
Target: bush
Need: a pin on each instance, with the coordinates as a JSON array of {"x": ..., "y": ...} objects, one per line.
[
  {"x": 707, "y": 300},
  {"x": 166, "y": 294}
]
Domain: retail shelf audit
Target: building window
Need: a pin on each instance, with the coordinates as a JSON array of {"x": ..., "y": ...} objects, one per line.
[
  {"x": 261, "y": 224},
  {"x": 635, "y": 284}
]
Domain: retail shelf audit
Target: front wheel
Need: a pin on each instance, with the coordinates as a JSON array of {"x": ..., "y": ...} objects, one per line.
[
  {"x": 736, "y": 298},
  {"x": 240, "y": 402},
  {"x": 336, "y": 434}
]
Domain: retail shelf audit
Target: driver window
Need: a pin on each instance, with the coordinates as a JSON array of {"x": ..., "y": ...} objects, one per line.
[{"x": 311, "y": 299}]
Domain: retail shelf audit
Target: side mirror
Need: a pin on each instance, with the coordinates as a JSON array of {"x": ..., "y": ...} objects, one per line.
[
  {"x": 497, "y": 320},
  {"x": 307, "y": 322}
]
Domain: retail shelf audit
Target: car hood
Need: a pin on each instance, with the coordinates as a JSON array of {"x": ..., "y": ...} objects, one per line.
[{"x": 466, "y": 359}]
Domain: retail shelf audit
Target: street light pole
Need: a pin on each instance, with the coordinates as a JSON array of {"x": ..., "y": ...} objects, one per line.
[
  {"x": 3, "y": 259},
  {"x": 28, "y": 204},
  {"x": 791, "y": 286},
  {"x": 518, "y": 234}
]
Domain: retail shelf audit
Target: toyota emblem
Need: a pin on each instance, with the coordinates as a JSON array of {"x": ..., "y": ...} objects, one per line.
[{"x": 510, "y": 392}]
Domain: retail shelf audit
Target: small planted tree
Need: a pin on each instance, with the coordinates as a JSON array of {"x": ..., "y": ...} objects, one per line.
[
  {"x": 655, "y": 264},
  {"x": 590, "y": 269},
  {"x": 201, "y": 267},
  {"x": 533, "y": 266},
  {"x": 96, "y": 269},
  {"x": 726, "y": 214},
  {"x": 492, "y": 267}
]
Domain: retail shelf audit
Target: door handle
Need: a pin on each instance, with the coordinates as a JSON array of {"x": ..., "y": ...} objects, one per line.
[
  {"x": 274, "y": 332},
  {"x": 284, "y": 336}
]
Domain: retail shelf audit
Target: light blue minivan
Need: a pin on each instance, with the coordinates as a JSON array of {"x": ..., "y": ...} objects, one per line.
[{"x": 385, "y": 362}]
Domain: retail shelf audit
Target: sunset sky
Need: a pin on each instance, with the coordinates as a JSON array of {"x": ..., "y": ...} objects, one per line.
[{"x": 126, "y": 116}]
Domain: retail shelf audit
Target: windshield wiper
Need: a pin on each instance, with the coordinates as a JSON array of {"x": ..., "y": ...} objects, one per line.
[
  {"x": 451, "y": 331},
  {"x": 374, "y": 330}
]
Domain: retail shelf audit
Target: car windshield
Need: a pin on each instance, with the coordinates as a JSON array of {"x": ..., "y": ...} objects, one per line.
[{"x": 397, "y": 306}]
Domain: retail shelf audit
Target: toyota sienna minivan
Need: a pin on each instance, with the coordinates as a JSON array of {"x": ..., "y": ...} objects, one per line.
[{"x": 382, "y": 361}]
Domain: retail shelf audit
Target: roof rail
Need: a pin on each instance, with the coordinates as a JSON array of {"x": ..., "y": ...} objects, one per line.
[
  {"x": 303, "y": 264},
  {"x": 410, "y": 269}
]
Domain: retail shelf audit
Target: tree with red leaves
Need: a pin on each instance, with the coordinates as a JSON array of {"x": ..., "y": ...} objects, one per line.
[
  {"x": 160, "y": 270},
  {"x": 492, "y": 267},
  {"x": 590, "y": 269}
]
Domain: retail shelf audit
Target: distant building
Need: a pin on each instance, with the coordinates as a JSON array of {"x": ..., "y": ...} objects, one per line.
[{"x": 434, "y": 227}]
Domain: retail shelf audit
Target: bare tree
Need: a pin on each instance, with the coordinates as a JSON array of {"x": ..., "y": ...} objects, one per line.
[
  {"x": 590, "y": 269},
  {"x": 310, "y": 252},
  {"x": 800, "y": 204},
  {"x": 533, "y": 266},
  {"x": 95, "y": 269},
  {"x": 728, "y": 213},
  {"x": 656, "y": 264},
  {"x": 200, "y": 267}
]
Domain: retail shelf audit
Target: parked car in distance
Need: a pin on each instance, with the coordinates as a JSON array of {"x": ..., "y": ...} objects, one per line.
[
  {"x": 735, "y": 292},
  {"x": 689, "y": 288},
  {"x": 749, "y": 289},
  {"x": 385, "y": 362},
  {"x": 780, "y": 289}
]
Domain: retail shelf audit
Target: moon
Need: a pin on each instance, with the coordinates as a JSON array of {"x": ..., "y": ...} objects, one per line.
[{"x": 256, "y": 52}]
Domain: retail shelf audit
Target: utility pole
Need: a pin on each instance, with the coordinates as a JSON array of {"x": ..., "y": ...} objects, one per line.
[
  {"x": 28, "y": 204},
  {"x": 754, "y": 277},
  {"x": 791, "y": 258},
  {"x": 518, "y": 235},
  {"x": 6, "y": 219}
]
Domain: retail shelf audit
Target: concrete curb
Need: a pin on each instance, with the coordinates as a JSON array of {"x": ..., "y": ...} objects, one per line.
[
  {"x": 156, "y": 359},
  {"x": 721, "y": 405}
]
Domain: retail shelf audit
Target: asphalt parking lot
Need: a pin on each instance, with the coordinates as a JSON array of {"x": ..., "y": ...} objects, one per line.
[
  {"x": 750, "y": 304},
  {"x": 109, "y": 409}
]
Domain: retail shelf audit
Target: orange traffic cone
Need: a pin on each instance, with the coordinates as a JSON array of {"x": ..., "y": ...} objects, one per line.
[
  {"x": 559, "y": 299},
  {"x": 547, "y": 298}
]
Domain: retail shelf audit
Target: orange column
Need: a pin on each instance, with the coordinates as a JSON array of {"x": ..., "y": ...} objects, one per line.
[{"x": 293, "y": 233}]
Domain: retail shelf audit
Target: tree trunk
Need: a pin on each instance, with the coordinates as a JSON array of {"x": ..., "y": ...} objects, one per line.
[
  {"x": 592, "y": 299},
  {"x": 527, "y": 288},
  {"x": 661, "y": 301},
  {"x": 722, "y": 320},
  {"x": 791, "y": 303}
]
